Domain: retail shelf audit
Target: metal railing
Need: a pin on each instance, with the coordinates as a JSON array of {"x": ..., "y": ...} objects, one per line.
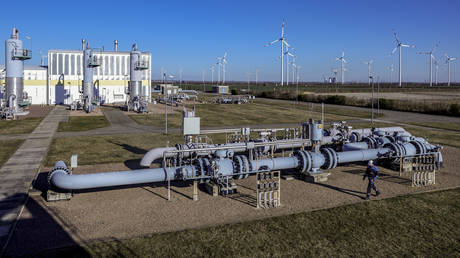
[
  {"x": 22, "y": 54},
  {"x": 94, "y": 61},
  {"x": 141, "y": 65}
]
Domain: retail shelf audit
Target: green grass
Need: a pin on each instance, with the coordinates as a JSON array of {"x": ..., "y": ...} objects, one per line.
[
  {"x": 235, "y": 115},
  {"x": 21, "y": 126},
  {"x": 83, "y": 123},
  {"x": 7, "y": 149},
  {"x": 447, "y": 126},
  {"x": 440, "y": 137},
  {"x": 425, "y": 225}
]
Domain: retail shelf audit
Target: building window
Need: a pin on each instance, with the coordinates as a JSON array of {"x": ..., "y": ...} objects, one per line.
[
  {"x": 106, "y": 65},
  {"x": 54, "y": 64},
  {"x": 61, "y": 64},
  {"x": 72, "y": 64},
  {"x": 112, "y": 66},
  {"x": 66, "y": 64},
  {"x": 123, "y": 70},
  {"x": 79, "y": 65},
  {"x": 118, "y": 66}
]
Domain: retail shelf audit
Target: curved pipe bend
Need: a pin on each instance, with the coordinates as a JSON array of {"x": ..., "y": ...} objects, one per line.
[{"x": 155, "y": 154}]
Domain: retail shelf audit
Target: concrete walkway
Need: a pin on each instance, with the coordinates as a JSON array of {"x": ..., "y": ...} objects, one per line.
[{"x": 21, "y": 169}]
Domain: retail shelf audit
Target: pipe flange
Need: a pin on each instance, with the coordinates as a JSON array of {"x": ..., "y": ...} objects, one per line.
[
  {"x": 302, "y": 160},
  {"x": 238, "y": 166},
  {"x": 58, "y": 170},
  {"x": 329, "y": 158},
  {"x": 247, "y": 166},
  {"x": 309, "y": 161},
  {"x": 418, "y": 147}
]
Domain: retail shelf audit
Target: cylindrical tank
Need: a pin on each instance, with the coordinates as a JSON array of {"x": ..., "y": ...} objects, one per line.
[
  {"x": 88, "y": 90},
  {"x": 14, "y": 69},
  {"x": 135, "y": 82},
  {"x": 316, "y": 131}
]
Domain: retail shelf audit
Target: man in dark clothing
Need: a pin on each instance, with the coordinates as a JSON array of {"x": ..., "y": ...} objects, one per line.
[{"x": 372, "y": 173}]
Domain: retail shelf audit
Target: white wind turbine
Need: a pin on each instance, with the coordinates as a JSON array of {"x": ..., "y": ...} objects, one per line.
[
  {"x": 430, "y": 53},
  {"x": 391, "y": 68},
  {"x": 342, "y": 63},
  {"x": 224, "y": 62},
  {"x": 448, "y": 60},
  {"x": 294, "y": 69},
  {"x": 369, "y": 63},
  {"x": 399, "y": 47},
  {"x": 283, "y": 43},
  {"x": 219, "y": 64},
  {"x": 436, "y": 68},
  {"x": 211, "y": 68},
  {"x": 288, "y": 54}
]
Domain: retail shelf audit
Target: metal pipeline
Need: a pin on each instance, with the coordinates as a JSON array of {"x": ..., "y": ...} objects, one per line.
[{"x": 157, "y": 153}]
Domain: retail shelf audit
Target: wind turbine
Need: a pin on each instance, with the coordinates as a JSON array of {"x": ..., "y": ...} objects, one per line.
[
  {"x": 211, "y": 68},
  {"x": 342, "y": 62},
  {"x": 399, "y": 46},
  {"x": 335, "y": 71},
  {"x": 219, "y": 63},
  {"x": 430, "y": 53},
  {"x": 294, "y": 70},
  {"x": 283, "y": 42},
  {"x": 288, "y": 63},
  {"x": 436, "y": 68},
  {"x": 224, "y": 62},
  {"x": 369, "y": 69},
  {"x": 391, "y": 68},
  {"x": 448, "y": 60}
]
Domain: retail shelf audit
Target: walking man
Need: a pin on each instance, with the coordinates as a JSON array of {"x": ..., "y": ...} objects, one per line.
[{"x": 372, "y": 173}]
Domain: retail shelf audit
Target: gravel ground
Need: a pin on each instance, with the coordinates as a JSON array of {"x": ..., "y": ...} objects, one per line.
[
  {"x": 128, "y": 212},
  {"x": 37, "y": 111}
]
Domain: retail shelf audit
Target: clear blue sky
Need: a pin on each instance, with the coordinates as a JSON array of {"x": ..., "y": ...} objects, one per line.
[{"x": 191, "y": 34}]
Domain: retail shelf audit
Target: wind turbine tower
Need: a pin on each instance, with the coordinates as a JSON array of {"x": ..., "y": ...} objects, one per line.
[
  {"x": 342, "y": 64},
  {"x": 448, "y": 60},
  {"x": 399, "y": 47},
  {"x": 430, "y": 53},
  {"x": 369, "y": 63},
  {"x": 391, "y": 68},
  {"x": 436, "y": 68},
  {"x": 224, "y": 62},
  {"x": 283, "y": 42}
]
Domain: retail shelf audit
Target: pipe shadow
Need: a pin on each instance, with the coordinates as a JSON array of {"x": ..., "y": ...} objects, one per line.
[
  {"x": 342, "y": 190},
  {"x": 244, "y": 198}
]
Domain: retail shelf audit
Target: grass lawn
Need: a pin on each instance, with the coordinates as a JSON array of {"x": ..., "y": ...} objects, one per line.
[
  {"x": 111, "y": 149},
  {"x": 26, "y": 125},
  {"x": 426, "y": 225},
  {"x": 234, "y": 115},
  {"x": 83, "y": 123},
  {"x": 8, "y": 148},
  {"x": 447, "y": 126}
]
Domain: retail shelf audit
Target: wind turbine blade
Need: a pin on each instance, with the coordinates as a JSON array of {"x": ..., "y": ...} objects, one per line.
[
  {"x": 396, "y": 36},
  {"x": 394, "y": 51},
  {"x": 271, "y": 43}
]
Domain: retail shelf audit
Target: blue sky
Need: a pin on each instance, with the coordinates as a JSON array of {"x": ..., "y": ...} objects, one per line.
[{"x": 191, "y": 34}]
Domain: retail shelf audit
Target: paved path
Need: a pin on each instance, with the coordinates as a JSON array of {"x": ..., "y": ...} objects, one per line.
[{"x": 20, "y": 170}]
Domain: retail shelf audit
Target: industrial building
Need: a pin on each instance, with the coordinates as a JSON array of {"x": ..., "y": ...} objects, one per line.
[{"x": 60, "y": 82}]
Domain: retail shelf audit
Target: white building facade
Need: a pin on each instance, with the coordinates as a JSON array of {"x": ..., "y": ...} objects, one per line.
[{"x": 61, "y": 81}]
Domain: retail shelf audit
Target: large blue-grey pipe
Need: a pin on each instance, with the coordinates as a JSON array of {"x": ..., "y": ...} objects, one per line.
[{"x": 227, "y": 165}]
